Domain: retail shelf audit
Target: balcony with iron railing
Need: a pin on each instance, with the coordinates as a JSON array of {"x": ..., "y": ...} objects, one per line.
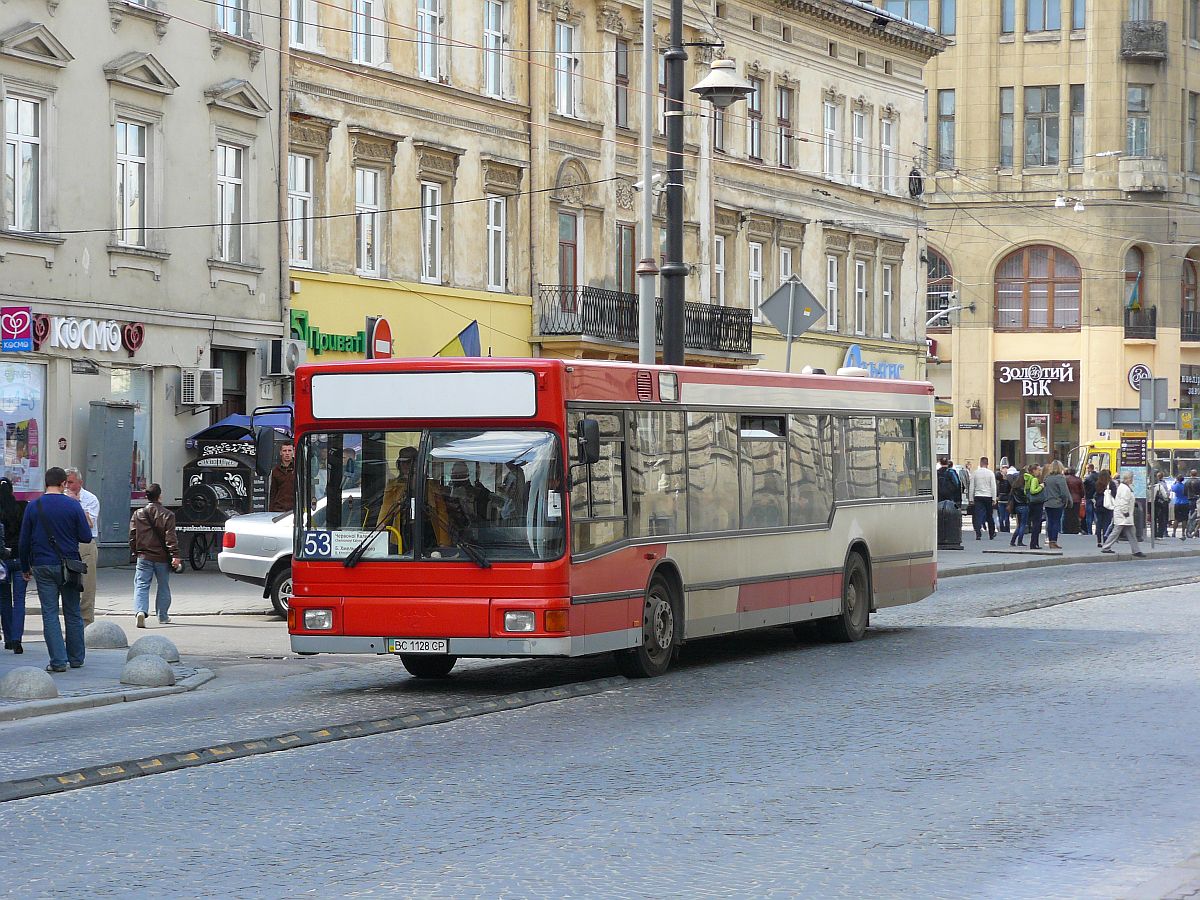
[
  {"x": 1141, "y": 324},
  {"x": 605, "y": 315},
  {"x": 1190, "y": 325}
]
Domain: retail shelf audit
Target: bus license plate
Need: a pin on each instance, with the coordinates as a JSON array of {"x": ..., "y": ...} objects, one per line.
[{"x": 417, "y": 645}]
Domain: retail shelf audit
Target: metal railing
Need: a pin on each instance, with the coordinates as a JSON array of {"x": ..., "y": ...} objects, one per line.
[
  {"x": 613, "y": 316},
  {"x": 1190, "y": 325},
  {"x": 1141, "y": 323}
]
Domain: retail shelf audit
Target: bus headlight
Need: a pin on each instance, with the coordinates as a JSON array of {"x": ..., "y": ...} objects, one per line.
[
  {"x": 521, "y": 620},
  {"x": 318, "y": 619}
]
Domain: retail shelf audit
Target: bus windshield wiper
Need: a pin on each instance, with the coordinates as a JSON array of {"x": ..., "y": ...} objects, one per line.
[
  {"x": 473, "y": 551},
  {"x": 358, "y": 552}
]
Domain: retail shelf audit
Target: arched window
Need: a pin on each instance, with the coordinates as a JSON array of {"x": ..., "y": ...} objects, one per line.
[
  {"x": 939, "y": 285},
  {"x": 1038, "y": 289},
  {"x": 1189, "y": 307},
  {"x": 1135, "y": 265}
]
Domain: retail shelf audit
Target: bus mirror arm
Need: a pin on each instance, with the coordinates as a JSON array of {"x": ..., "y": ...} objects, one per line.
[{"x": 588, "y": 435}]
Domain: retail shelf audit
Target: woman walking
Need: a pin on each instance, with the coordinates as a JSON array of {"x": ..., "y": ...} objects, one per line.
[
  {"x": 1035, "y": 492},
  {"x": 1058, "y": 498},
  {"x": 1003, "y": 495},
  {"x": 12, "y": 590},
  {"x": 1105, "y": 491}
]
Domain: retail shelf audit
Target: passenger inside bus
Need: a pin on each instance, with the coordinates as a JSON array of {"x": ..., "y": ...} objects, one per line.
[{"x": 395, "y": 513}]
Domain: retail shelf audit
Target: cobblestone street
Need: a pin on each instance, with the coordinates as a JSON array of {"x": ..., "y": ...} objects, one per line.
[{"x": 953, "y": 753}]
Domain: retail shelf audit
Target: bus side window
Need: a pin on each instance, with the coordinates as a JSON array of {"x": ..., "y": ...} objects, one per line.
[
  {"x": 924, "y": 459},
  {"x": 657, "y": 475},
  {"x": 598, "y": 491},
  {"x": 764, "y": 471},
  {"x": 810, "y": 469},
  {"x": 712, "y": 477}
]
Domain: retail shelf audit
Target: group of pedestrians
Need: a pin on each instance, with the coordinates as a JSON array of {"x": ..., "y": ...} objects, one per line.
[
  {"x": 1175, "y": 505},
  {"x": 51, "y": 542}
]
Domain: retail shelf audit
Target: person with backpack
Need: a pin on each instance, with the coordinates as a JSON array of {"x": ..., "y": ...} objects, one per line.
[
  {"x": 153, "y": 541},
  {"x": 1179, "y": 507},
  {"x": 949, "y": 487},
  {"x": 53, "y": 528}
]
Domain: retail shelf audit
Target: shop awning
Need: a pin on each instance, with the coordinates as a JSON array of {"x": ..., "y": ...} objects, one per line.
[{"x": 236, "y": 427}]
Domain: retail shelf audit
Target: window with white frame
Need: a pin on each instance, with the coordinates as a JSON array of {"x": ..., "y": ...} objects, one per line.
[
  {"x": 831, "y": 167},
  {"x": 785, "y": 264},
  {"x": 133, "y": 164},
  {"x": 755, "y": 269},
  {"x": 832, "y": 275},
  {"x": 431, "y": 232},
  {"x": 861, "y": 297},
  {"x": 367, "y": 203},
  {"x": 493, "y": 48},
  {"x": 889, "y": 273},
  {"x": 497, "y": 243},
  {"x": 754, "y": 120},
  {"x": 300, "y": 210},
  {"x": 302, "y": 30},
  {"x": 661, "y": 101},
  {"x": 230, "y": 196},
  {"x": 719, "y": 270},
  {"x": 428, "y": 40},
  {"x": 783, "y": 116},
  {"x": 566, "y": 70},
  {"x": 858, "y": 158},
  {"x": 718, "y": 129},
  {"x": 22, "y": 163},
  {"x": 231, "y": 17},
  {"x": 367, "y": 39},
  {"x": 887, "y": 156}
]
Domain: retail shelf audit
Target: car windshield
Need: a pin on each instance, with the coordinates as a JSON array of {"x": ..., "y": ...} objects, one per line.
[{"x": 480, "y": 496}]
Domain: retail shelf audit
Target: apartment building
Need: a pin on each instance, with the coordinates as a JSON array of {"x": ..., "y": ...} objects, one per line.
[
  {"x": 1063, "y": 198},
  {"x": 489, "y": 153},
  {"x": 139, "y": 232}
]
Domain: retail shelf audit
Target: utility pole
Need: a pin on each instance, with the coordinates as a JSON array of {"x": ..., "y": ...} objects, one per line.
[
  {"x": 647, "y": 267},
  {"x": 674, "y": 270}
]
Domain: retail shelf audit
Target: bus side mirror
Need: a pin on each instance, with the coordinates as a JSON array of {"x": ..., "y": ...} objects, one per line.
[
  {"x": 264, "y": 450},
  {"x": 588, "y": 433}
]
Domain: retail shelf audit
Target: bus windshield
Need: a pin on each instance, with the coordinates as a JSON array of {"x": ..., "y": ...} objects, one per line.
[{"x": 456, "y": 495}]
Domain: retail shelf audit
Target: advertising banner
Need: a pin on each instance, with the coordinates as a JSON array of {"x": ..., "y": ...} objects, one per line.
[
  {"x": 1037, "y": 434},
  {"x": 23, "y": 418}
]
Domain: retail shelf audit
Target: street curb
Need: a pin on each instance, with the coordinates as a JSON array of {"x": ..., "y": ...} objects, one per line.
[
  {"x": 94, "y": 701},
  {"x": 1040, "y": 563},
  {"x": 109, "y": 773}
]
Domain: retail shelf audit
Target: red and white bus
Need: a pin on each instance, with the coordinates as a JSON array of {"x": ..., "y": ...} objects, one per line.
[{"x": 516, "y": 508}]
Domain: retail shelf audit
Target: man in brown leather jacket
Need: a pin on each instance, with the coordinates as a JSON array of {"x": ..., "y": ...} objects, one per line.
[{"x": 153, "y": 541}]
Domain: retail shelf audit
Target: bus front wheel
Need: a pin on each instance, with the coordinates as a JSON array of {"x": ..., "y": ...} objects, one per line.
[
  {"x": 851, "y": 623},
  {"x": 428, "y": 666},
  {"x": 660, "y": 632}
]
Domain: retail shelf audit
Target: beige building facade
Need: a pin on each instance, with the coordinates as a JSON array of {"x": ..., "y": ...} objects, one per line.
[
  {"x": 1064, "y": 194},
  {"x": 139, "y": 234},
  {"x": 490, "y": 153}
]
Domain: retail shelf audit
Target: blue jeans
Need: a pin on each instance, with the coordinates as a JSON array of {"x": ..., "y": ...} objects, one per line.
[
  {"x": 1054, "y": 517},
  {"x": 12, "y": 602},
  {"x": 1089, "y": 517},
  {"x": 50, "y": 587},
  {"x": 143, "y": 572},
  {"x": 983, "y": 517},
  {"x": 1022, "y": 522}
]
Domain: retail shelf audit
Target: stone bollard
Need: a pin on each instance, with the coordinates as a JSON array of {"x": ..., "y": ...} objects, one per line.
[
  {"x": 148, "y": 670},
  {"x": 104, "y": 635},
  {"x": 28, "y": 683},
  {"x": 153, "y": 645}
]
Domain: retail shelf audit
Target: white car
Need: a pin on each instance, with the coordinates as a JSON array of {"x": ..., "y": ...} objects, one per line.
[{"x": 257, "y": 548}]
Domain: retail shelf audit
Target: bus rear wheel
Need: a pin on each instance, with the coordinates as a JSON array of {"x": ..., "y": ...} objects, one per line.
[
  {"x": 851, "y": 623},
  {"x": 660, "y": 633},
  {"x": 428, "y": 666}
]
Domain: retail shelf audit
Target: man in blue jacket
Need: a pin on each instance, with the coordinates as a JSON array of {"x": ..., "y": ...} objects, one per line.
[{"x": 51, "y": 532}]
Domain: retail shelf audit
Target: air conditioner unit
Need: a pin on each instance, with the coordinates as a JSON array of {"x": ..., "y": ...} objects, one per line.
[
  {"x": 281, "y": 357},
  {"x": 201, "y": 387}
]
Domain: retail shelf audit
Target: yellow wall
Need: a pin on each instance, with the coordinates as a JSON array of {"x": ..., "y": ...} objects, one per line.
[{"x": 423, "y": 317}]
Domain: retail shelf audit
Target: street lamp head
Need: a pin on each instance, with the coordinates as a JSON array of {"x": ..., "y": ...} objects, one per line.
[{"x": 723, "y": 87}]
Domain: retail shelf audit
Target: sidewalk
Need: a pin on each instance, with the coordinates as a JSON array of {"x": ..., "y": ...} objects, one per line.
[
  {"x": 204, "y": 593},
  {"x": 984, "y": 556}
]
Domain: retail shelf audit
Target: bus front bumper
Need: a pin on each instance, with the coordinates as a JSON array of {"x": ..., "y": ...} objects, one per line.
[{"x": 507, "y": 646}]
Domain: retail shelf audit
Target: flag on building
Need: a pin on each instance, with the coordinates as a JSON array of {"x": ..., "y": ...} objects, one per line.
[
  {"x": 1134, "y": 300},
  {"x": 465, "y": 343}
]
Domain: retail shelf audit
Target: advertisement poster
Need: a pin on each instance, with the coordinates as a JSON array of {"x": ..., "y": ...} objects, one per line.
[
  {"x": 23, "y": 417},
  {"x": 1037, "y": 434}
]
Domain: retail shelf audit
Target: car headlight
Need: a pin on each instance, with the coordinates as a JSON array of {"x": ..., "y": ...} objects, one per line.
[
  {"x": 520, "y": 620},
  {"x": 318, "y": 619}
]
